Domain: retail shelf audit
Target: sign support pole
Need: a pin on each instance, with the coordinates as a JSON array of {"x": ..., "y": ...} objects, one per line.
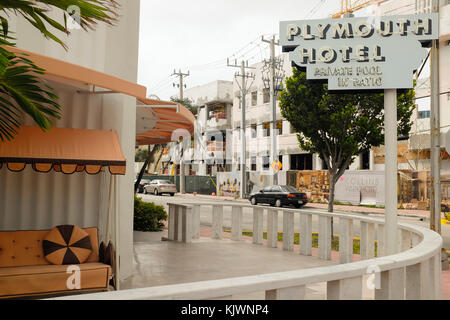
[{"x": 390, "y": 171}]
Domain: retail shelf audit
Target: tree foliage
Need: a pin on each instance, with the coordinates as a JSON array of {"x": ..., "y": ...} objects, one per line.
[
  {"x": 22, "y": 91},
  {"x": 338, "y": 126},
  {"x": 188, "y": 103}
]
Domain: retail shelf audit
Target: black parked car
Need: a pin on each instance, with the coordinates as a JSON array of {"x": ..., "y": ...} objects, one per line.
[
  {"x": 142, "y": 184},
  {"x": 279, "y": 196}
]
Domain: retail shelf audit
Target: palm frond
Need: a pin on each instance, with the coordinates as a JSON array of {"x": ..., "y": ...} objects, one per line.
[{"x": 22, "y": 91}]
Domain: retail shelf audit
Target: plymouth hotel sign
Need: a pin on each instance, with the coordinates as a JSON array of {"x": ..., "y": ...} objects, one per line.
[{"x": 360, "y": 53}]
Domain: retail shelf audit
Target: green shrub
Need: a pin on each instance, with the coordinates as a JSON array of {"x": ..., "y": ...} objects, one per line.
[{"x": 148, "y": 216}]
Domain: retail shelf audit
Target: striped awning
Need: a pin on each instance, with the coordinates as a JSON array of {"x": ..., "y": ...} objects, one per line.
[{"x": 64, "y": 150}]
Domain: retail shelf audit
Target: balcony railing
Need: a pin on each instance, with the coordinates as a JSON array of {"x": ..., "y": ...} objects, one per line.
[{"x": 413, "y": 273}]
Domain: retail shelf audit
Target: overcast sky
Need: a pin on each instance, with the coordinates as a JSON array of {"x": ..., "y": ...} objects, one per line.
[{"x": 199, "y": 35}]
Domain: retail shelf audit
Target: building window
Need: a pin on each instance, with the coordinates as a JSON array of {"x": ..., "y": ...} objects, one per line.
[
  {"x": 279, "y": 125},
  {"x": 266, "y": 129},
  {"x": 253, "y": 129},
  {"x": 253, "y": 163},
  {"x": 254, "y": 98},
  {"x": 424, "y": 114},
  {"x": 266, "y": 95},
  {"x": 301, "y": 161},
  {"x": 266, "y": 164}
]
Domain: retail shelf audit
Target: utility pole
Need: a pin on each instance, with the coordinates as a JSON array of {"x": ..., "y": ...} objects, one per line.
[
  {"x": 435, "y": 132},
  {"x": 244, "y": 90},
  {"x": 181, "y": 75},
  {"x": 276, "y": 75}
]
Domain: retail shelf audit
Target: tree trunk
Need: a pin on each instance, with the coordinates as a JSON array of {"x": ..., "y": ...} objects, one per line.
[
  {"x": 146, "y": 164},
  {"x": 331, "y": 197},
  {"x": 331, "y": 201},
  {"x": 141, "y": 174},
  {"x": 157, "y": 161}
]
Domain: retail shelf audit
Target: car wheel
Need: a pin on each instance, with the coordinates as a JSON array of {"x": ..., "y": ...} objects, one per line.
[
  {"x": 155, "y": 192},
  {"x": 278, "y": 203},
  {"x": 172, "y": 194},
  {"x": 253, "y": 201},
  {"x": 298, "y": 206}
]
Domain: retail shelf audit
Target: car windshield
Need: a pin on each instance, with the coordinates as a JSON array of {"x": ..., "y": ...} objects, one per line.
[
  {"x": 164, "y": 182},
  {"x": 289, "y": 189}
]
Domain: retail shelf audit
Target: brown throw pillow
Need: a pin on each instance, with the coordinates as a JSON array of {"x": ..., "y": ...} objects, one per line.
[{"x": 67, "y": 244}]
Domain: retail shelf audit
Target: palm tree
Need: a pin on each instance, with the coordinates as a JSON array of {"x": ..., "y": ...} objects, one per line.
[{"x": 21, "y": 88}]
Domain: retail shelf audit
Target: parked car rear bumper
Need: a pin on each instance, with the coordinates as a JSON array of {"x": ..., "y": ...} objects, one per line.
[{"x": 295, "y": 201}]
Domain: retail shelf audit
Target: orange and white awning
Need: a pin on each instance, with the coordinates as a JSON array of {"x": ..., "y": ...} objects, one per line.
[
  {"x": 157, "y": 121},
  {"x": 64, "y": 150}
]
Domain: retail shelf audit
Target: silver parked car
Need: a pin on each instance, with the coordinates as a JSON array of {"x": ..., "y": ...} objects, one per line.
[{"x": 160, "y": 187}]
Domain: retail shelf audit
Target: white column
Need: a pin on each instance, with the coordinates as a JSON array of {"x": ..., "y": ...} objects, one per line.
[
  {"x": 392, "y": 285},
  {"x": 196, "y": 222},
  {"x": 288, "y": 231},
  {"x": 405, "y": 240},
  {"x": 367, "y": 243},
  {"x": 390, "y": 126},
  {"x": 345, "y": 240},
  {"x": 418, "y": 281},
  {"x": 272, "y": 228},
  {"x": 345, "y": 289},
  {"x": 258, "y": 218},
  {"x": 217, "y": 222},
  {"x": 381, "y": 238},
  {"x": 305, "y": 234},
  {"x": 187, "y": 233},
  {"x": 325, "y": 238},
  {"x": 236, "y": 223},
  {"x": 171, "y": 221}
]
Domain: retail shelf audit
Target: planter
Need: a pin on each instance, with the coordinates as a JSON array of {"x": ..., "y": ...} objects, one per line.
[{"x": 141, "y": 236}]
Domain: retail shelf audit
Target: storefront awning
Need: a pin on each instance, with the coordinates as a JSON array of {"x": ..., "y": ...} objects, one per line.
[
  {"x": 64, "y": 150},
  {"x": 159, "y": 121}
]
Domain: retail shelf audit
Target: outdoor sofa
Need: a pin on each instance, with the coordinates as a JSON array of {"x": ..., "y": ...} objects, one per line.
[{"x": 24, "y": 271}]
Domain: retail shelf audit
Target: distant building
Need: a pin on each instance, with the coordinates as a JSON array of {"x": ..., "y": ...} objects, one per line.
[{"x": 214, "y": 103}]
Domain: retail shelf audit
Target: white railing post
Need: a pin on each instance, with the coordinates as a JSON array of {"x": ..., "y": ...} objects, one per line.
[
  {"x": 418, "y": 281},
  {"x": 305, "y": 234},
  {"x": 392, "y": 285},
  {"x": 345, "y": 240},
  {"x": 178, "y": 223},
  {"x": 196, "y": 222},
  {"x": 291, "y": 293},
  {"x": 436, "y": 277},
  {"x": 345, "y": 289},
  {"x": 405, "y": 237},
  {"x": 272, "y": 228},
  {"x": 217, "y": 222},
  {"x": 171, "y": 222},
  {"x": 236, "y": 223},
  {"x": 367, "y": 242},
  {"x": 186, "y": 234},
  {"x": 325, "y": 238},
  {"x": 288, "y": 231},
  {"x": 258, "y": 219},
  {"x": 380, "y": 240}
]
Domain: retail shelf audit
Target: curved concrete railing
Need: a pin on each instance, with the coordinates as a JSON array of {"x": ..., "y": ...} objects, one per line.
[{"x": 413, "y": 273}]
